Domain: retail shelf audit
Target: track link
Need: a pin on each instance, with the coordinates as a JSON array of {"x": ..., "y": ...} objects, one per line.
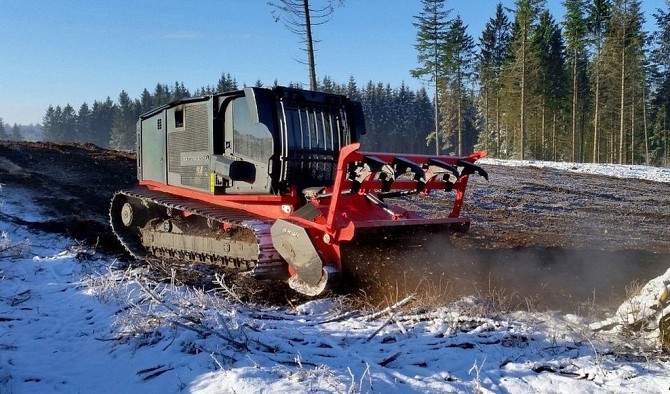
[{"x": 152, "y": 208}]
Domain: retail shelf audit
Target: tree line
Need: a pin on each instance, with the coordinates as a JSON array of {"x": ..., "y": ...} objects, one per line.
[
  {"x": 12, "y": 133},
  {"x": 397, "y": 118},
  {"x": 592, "y": 87}
]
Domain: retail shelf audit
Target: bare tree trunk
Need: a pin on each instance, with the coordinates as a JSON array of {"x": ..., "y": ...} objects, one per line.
[
  {"x": 486, "y": 118},
  {"x": 596, "y": 119},
  {"x": 543, "y": 127},
  {"x": 622, "y": 107},
  {"x": 574, "y": 105},
  {"x": 632, "y": 128},
  {"x": 310, "y": 47},
  {"x": 665, "y": 140},
  {"x": 437, "y": 124},
  {"x": 523, "y": 95},
  {"x": 459, "y": 118},
  {"x": 553, "y": 136},
  {"x": 497, "y": 124},
  {"x": 437, "y": 112},
  {"x": 644, "y": 122}
]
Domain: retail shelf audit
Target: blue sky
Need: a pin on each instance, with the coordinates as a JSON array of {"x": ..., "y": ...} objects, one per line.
[{"x": 56, "y": 52}]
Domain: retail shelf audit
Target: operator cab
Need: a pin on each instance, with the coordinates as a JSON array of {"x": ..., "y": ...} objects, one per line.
[
  {"x": 250, "y": 141},
  {"x": 291, "y": 136}
]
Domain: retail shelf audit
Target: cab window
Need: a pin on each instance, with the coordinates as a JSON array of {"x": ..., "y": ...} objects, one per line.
[{"x": 252, "y": 140}]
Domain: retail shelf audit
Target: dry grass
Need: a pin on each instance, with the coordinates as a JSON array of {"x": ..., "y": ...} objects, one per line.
[
  {"x": 11, "y": 249},
  {"x": 664, "y": 332},
  {"x": 431, "y": 293}
]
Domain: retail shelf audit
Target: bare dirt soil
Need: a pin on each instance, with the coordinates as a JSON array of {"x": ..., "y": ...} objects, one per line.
[
  {"x": 544, "y": 237},
  {"x": 72, "y": 184},
  {"x": 534, "y": 230}
]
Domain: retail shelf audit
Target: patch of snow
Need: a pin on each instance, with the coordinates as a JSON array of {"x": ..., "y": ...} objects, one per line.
[
  {"x": 317, "y": 307},
  {"x": 656, "y": 174},
  {"x": 70, "y": 322}
]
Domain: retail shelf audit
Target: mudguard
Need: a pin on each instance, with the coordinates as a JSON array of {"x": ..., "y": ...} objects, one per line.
[{"x": 293, "y": 243}]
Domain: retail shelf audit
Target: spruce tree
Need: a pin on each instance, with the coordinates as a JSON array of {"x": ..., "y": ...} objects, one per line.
[
  {"x": 179, "y": 91},
  {"x": 226, "y": 83},
  {"x": 3, "y": 131},
  {"x": 494, "y": 46},
  {"x": 123, "y": 133},
  {"x": 624, "y": 61},
  {"x": 146, "y": 101},
  {"x": 459, "y": 74},
  {"x": 597, "y": 23},
  {"x": 48, "y": 123},
  {"x": 161, "y": 95},
  {"x": 352, "y": 89},
  {"x": 83, "y": 124},
  {"x": 102, "y": 115},
  {"x": 432, "y": 25},
  {"x": 68, "y": 124},
  {"x": 661, "y": 87},
  {"x": 16, "y": 133},
  {"x": 53, "y": 124},
  {"x": 520, "y": 74},
  {"x": 422, "y": 119},
  {"x": 575, "y": 27},
  {"x": 551, "y": 87}
]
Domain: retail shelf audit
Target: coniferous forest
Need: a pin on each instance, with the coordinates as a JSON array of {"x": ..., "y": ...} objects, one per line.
[{"x": 592, "y": 87}]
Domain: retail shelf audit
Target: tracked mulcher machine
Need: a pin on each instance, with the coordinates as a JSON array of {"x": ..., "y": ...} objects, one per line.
[{"x": 272, "y": 182}]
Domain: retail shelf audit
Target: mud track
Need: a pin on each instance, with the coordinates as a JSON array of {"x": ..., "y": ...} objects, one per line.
[{"x": 534, "y": 231}]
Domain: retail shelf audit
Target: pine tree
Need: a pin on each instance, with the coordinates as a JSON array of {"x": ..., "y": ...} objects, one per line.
[
  {"x": 68, "y": 124},
  {"x": 53, "y": 124},
  {"x": 551, "y": 88},
  {"x": 575, "y": 25},
  {"x": 102, "y": 115},
  {"x": 402, "y": 102},
  {"x": 179, "y": 91},
  {"x": 422, "y": 112},
  {"x": 519, "y": 72},
  {"x": 597, "y": 23},
  {"x": 659, "y": 144},
  {"x": 660, "y": 56},
  {"x": 327, "y": 85},
  {"x": 459, "y": 74},
  {"x": 123, "y": 130},
  {"x": 352, "y": 89},
  {"x": 378, "y": 107},
  {"x": 3, "y": 131},
  {"x": 16, "y": 133},
  {"x": 146, "y": 101},
  {"x": 432, "y": 25},
  {"x": 83, "y": 124},
  {"x": 494, "y": 45},
  {"x": 161, "y": 95},
  {"x": 624, "y": 61},
  {"x": 48, "y": 124},
  {"x": 226, "y": 83}
]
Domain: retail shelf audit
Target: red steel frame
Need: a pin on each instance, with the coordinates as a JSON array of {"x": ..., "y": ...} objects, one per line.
[{"x": 342, "y": 212}]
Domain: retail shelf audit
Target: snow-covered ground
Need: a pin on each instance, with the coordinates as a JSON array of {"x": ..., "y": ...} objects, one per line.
[
  {"x": 72, "y": 321},
  {"x": 656, "y": 174}
]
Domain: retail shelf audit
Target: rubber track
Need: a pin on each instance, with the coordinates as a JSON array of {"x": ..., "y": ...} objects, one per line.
[{"x": 269, "y": 263}]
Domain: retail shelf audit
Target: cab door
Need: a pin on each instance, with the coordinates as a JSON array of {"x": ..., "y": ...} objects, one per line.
[{"x": 151, "y": 151}]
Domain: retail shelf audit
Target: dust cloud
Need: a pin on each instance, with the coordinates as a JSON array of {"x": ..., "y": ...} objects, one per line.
[{"x": 563, "y": 279}]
